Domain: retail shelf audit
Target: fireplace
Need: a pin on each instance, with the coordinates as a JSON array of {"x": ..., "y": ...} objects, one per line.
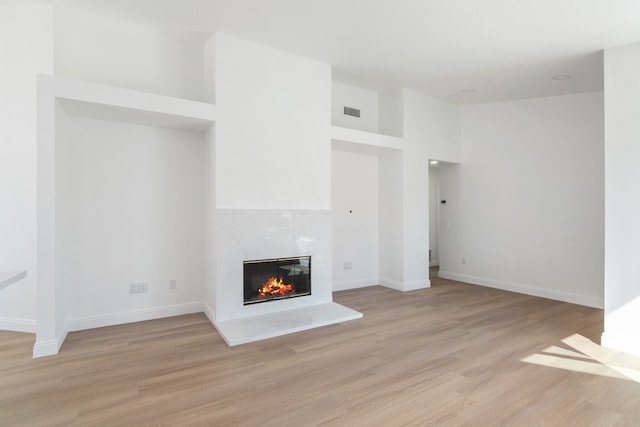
[{"x": 276, "y": 279}]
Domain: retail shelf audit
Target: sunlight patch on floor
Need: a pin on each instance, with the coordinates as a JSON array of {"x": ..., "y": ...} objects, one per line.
[{"x": 585, "y": 356}]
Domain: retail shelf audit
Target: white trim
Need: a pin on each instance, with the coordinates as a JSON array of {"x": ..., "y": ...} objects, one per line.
[
  {"x": 391, "y": 284},
  {"x": 354, "y": 284},
  {"x": 415, "y": 285},
  {"x": 626, "y": 344},
  {"x": 553, "y": 294},
  {"x": 17, "y": 325},
  {"x": 209, "y": 312},
  {"x": 339, "y": 133},
  {"x": 92, "y": 322},
  {"x": 45, "y": 348},
  {"x": 99, "y": 101},
  {"x": 405, "y": 286},
  {"x": 49, "y": 347}
]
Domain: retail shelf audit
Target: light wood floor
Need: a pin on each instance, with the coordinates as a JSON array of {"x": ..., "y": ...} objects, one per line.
[{"x": 450, "y": 355}]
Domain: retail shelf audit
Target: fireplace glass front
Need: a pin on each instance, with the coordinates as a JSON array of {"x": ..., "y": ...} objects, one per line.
[{"x": 275, "y": 279}]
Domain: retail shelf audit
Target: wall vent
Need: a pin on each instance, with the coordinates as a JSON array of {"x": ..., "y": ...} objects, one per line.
[{"x": 351, "y": 112}]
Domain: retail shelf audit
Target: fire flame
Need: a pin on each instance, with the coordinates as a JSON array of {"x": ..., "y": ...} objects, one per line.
[{"x": 274, "y": 287}]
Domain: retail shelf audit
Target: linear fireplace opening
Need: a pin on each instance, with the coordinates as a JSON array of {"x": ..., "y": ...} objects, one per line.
[{"x": 275, "y": 279}]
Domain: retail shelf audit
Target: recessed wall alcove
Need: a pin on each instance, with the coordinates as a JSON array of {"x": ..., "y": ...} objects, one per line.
[
  {"x": 121, "y": 200},
  {"x": 367, "y": 182}
]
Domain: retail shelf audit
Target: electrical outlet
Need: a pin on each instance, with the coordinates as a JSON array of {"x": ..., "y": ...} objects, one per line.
[
  {"x": 138, "y": 288},
  {"x": 172, "y": 284},
  {"x": 463, "y": 260},
  {"x": 347, "y": 266}
]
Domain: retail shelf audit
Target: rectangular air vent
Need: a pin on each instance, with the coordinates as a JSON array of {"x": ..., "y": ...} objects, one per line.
[{"x": 351, "y": 112}]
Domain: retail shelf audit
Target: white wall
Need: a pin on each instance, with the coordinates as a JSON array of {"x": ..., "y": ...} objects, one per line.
[
  {"x": 273, "y": 143},
  {"x": 431, "y": 131},
  {"x": 209, "y": 70},
  {"x": 448, "y": 219},
  {"x": 433, "y": 214},
  {"x": 354, "y": 219},
  {"x": 26, "y": 46},
  {"x": 526, "y": 206},
  {"x": 209, "y": 284},
  {"x": 343, "y": 95},
  {"x": 129, "y": 208},
  {"x": 102, "y": 50},
  {"x": 390, "y": 217},
  {"x": 391, "y": 112},
  {"x": 622, "y": 174},
  {"x": 432, "y": 126}
]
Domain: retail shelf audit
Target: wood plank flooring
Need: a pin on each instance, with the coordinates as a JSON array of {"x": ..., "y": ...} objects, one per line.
[{"x": 454, "y": 354}]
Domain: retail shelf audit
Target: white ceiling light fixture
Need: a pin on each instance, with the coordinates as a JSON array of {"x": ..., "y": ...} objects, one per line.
[
  {"x": 561, "y": 77},
  {"x": 433, "y": 162}
]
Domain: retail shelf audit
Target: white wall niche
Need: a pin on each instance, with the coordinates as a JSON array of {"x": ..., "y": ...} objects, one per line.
[
  {"x": 120, "y": 191},
  {"x": 368, "y": 238},
  {"x": 99, "y": 48},
  {"x": 380, "y": 110},
  {"x": 354, "y": 217}
]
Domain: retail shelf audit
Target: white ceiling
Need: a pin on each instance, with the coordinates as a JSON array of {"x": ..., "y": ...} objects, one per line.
[{"x": 503, "y": 49}]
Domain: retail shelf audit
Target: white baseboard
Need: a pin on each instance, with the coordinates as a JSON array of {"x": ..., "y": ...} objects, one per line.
[
  {"x": 625, "y": 344},
  {"x": 405, "y": 286},
  {"x": 354, "y": 284},
  {"x": 17, "y": 325},
  {"x": 391, "y": 284},
  {"x": 52, "y": 347},
  {"x": 554, "y": 294},
  {"x": 111, "y": 319},
  {"x": 418, "y": 284},
  {"x": 49, "y": 347},
  {"x": 209, "y": 312}
]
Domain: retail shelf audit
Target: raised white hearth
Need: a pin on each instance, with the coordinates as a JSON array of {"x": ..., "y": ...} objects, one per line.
[{"x": 255, "y": 328}]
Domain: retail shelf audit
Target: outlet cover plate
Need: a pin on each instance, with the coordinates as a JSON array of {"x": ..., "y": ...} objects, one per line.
[{"x": 138, "y": 288}]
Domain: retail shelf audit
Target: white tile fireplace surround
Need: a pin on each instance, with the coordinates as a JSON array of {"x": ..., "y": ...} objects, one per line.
[{"x": 248, "y": 234}]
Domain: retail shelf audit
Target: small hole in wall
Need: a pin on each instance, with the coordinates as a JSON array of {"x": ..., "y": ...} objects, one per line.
[{"x": 350, "y": 111}]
